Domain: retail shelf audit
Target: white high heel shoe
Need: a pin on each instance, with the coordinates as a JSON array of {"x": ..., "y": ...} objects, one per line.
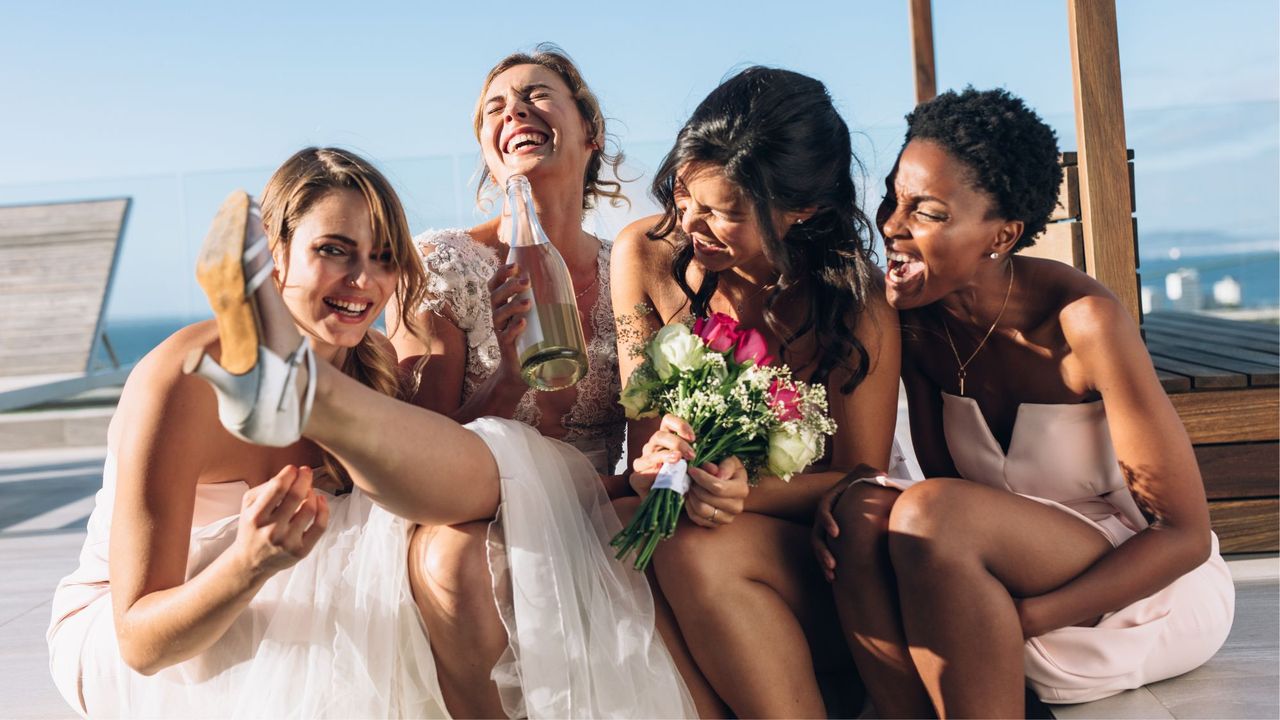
[{"x": 258, "y": 400}]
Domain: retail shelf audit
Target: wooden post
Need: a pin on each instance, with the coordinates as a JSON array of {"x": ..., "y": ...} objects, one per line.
[
  {"x": 921, "y": 15},
  {"x": 1110, "y": 254}
]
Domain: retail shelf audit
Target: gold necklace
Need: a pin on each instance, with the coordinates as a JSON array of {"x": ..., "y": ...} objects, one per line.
[{"x": 960, "y": 374}]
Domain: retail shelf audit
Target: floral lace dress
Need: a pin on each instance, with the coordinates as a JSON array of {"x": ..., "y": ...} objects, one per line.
[{"x": 458, "y": 271}]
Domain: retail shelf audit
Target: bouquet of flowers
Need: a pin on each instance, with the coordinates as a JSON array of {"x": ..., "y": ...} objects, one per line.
[{"x": 718, "y": 377}]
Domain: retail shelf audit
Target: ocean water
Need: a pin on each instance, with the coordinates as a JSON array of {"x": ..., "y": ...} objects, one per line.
[
  {"x": 133, "y": 338},
  {"x": 1257, "y": 273}
]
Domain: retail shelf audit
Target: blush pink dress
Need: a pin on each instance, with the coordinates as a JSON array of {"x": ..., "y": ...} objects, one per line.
[{"x": 1061, "y": 455}]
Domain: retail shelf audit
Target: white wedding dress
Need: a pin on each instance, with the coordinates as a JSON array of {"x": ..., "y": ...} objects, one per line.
[{"x": 339, "y": 636}]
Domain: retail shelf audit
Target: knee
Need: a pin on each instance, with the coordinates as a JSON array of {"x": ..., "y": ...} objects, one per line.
[
  {"x": 926, "y": 525},
  {"x": 862, "y": 515},
  {"x": 695, "y": 560},
  {"x": 452, "y": 565}
]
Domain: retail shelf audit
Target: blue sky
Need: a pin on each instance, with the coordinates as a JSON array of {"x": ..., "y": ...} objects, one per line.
[
  {"x": 216, "y": 94},
  {"x": 97, "y": 89}
]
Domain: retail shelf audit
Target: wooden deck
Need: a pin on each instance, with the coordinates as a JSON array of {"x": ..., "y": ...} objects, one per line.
[{"x": 1222, "y": 377}]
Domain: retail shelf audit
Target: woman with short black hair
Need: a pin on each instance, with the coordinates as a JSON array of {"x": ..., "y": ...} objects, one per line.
[{"x": 1063, "y": 537}]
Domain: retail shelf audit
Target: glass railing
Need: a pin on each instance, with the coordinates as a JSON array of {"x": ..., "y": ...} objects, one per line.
[{"x": 1205, "y": 245}]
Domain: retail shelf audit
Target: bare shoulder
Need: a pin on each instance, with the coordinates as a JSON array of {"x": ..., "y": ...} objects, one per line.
[
  {"x": 486, "y": 233},
  {"x": 635, "y": 255},
  {"x": 162, "y": 367},
  {"x": 1094, "y": 323},
  {"x": 634, "y": 245},
  {"x": 876, "y": 311},
  {"x": 158, "y": 390}
]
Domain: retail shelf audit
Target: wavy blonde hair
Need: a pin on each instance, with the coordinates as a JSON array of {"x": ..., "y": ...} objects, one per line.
[
  {"x": 294, "y": 188},
  {"x": 553, "y": 58}
]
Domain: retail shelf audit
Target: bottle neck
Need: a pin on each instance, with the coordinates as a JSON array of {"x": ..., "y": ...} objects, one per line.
[{"x": 524, "y": 229}]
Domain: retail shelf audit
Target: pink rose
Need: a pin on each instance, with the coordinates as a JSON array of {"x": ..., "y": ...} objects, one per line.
[
  {"x": 751, "y": 347},
  {"x": 785, "y": 401},
  {"x": 698, "y": 325},
  {"x": 720, "y": 332}
]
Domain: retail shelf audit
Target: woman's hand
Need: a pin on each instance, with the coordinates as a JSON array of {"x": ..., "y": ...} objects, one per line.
[
  {"x": 280, "y": 521},
  {"x": 509, "y": 318},
  {"x": 718, "y": 491},
  {"x": 824, "y": 519},
  {"x": 1033, "y": 615},
  {"x": 825, "y": 526}
]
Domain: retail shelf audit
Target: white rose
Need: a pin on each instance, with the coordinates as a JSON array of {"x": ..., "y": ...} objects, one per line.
[
  {"x": 791, "y": 451},
  {"x": 673, "y": 349}
]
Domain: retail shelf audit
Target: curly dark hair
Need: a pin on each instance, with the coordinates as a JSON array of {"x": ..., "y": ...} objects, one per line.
[
  {"x": 776, "y": 136},
  {"x": 1011, "y": 152}
]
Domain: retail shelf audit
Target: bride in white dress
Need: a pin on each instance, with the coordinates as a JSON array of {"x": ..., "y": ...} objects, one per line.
[
  {"x": 225, "y": 578},
  {"x": 536, "y": 116}
]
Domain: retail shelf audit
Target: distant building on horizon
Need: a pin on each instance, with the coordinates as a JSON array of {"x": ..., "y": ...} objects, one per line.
[
  {"x": 1182, "y": 287},
  {"x": 1227, "y": 292}
]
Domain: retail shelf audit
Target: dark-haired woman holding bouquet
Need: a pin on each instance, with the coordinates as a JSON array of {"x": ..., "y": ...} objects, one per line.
[
  {"x": 761, "y": 223},
  {"x": 1063, "y": 538}
]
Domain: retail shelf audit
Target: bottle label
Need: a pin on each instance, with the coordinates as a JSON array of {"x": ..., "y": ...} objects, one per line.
[{"x": 532, "y": 335}]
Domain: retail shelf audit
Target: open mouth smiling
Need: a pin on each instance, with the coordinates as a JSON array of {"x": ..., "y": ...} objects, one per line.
[
  {"x": 347, "y": 307},
  {"x": 525, "y": 139},
  {"x": 902, "y": 267}
]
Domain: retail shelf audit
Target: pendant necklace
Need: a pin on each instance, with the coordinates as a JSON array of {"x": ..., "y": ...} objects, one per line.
[{"x": 960, "y": 374}]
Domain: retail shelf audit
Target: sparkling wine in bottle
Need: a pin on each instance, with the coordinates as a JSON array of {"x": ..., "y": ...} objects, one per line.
[{"x": 552, "y": 350}]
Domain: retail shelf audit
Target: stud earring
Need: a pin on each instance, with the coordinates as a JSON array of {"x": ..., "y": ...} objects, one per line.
[{"x": 995, "y": 256}]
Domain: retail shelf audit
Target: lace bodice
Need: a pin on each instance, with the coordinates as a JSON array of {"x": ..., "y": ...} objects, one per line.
[{"x": 458, "y": 271}]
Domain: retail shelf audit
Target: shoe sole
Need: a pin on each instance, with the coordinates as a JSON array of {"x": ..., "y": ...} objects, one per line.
[{"x": 220, "y": 272}]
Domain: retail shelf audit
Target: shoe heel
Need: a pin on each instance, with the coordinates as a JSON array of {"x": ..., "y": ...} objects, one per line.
[{"x": 220, "y": 272}]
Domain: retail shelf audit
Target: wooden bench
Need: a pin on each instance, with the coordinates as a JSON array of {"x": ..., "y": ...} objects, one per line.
[
  {"x": 1222, "y": 377},
  {"x": 59, "y": 260}
]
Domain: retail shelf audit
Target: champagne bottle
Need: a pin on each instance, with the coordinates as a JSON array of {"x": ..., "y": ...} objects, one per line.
[{"x": 552, "y": 350}]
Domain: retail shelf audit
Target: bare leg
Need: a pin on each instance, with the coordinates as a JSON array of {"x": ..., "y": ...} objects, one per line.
[
  {"x": 705, "y": 699},
  {"x": 866, "y": 598},
  {"x": 449, "y": 575},
  {"x": 416, "y": 463},
  {"x": 962, "y": 552},
  {"x": 743, "y": 594}
]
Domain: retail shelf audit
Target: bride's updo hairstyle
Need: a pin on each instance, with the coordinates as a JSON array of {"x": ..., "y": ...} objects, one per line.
[
  {"x": 290, "y": 194},
  {"x": 551, "y": 57},
  {"x": 1011, "y": 154},
  {"x": 777, "y": 137}
]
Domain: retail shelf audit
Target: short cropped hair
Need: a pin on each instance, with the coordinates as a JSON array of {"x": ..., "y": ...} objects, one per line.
[{"x": 1012, "y": 153}]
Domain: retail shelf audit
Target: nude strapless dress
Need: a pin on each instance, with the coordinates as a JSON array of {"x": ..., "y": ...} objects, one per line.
[{"x": 1061, "y": 455}]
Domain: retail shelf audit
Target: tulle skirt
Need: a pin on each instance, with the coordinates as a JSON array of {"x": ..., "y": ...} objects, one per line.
[
  {"x": 339, "y": 636},
  {"x": 582, "y": 642}
]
